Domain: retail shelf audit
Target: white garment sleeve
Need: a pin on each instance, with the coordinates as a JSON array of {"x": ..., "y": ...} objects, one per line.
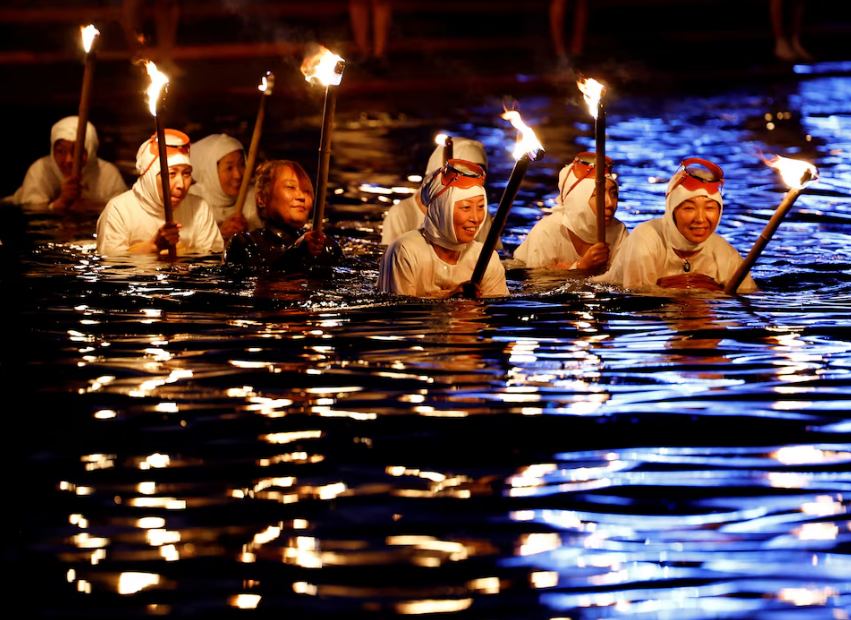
[
  {"x": 112, "y": 183},
  {"x": 38, "y": 186},
  {"x": 398, "y": 271},
  {"x": 493, "y": 282},
  {"x": 208, "y": 238},
  {"x": 113, "y": 234},
  {"x": 537, "y": 250},
  {"x": 393, "y": 226}
]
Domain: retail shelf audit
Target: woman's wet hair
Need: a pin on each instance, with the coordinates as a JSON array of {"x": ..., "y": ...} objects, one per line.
[{"x": 267, "y": 174}]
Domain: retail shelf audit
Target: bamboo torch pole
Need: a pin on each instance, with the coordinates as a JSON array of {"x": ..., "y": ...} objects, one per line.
[{"x": 155, "y": 97}]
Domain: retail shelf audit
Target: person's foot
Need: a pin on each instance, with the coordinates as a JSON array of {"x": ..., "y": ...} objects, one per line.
[
  {"x": 802, "y": 54},
  {"x": 784, "y": 51}
]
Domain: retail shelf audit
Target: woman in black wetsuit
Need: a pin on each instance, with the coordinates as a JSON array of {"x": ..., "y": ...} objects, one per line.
[{"x": 284, "y": 202}]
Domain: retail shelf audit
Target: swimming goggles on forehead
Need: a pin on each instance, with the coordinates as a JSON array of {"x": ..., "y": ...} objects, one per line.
[
  {"x": 462, "y": 174},
  {"x": 176, "y": 142},
  {"x": 584, "y": 165},
  {"x": 699, "y": 174}
]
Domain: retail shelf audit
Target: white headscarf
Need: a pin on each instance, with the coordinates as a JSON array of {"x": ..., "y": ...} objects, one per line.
[
  {"x": 148, "y": 166},
  {"x": 673, "y": 199},
  {"x": 439, "y": 224},
  {"x": 462, "y": 148},
  {"x": 573, "y": 200},
  {"x": 206, "y": 154},
  {"x": 66, "y": 129}
]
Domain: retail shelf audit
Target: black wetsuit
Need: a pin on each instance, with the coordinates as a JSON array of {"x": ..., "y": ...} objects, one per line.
[{"x": 273, "y": 249}]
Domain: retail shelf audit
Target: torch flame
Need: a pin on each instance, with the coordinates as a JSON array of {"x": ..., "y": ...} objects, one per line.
[
  {"x": 88, "y": 33},
  {"x": 440, "y": 139},
  {"x": 795, "y": 173},
  {"x": 158, "y": 80},
  {"x": 267, "y": 84},
  {"x": 324, "y": 66},
  {"x": 593, "y": 92},
  {"x": 528, "y": 142}
]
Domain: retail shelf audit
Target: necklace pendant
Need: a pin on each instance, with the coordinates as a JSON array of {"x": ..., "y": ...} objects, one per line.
[{"x": 686, "y": 265}]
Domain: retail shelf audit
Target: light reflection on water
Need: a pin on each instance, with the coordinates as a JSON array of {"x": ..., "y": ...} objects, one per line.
[{"x": 308, "y": 446}]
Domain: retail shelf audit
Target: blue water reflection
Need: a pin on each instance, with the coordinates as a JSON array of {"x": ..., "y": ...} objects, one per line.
[{"x": 201, "y": 447}]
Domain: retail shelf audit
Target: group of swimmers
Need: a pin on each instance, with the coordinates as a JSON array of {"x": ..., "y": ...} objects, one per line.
[{"x": 433, "y": 239}]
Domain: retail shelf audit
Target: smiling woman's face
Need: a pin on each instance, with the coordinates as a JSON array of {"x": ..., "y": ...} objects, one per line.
[
  {"x": 697, "y": 218},
  {"x": 468, "y": 217},
  {"x": 289, "y": 204}
]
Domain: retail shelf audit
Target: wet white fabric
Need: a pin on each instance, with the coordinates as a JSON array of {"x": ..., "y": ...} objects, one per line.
[
  {"x": 548, "y": 243},
  {"x": 125, "y": 221},
  {"x": 647, "y": 256},
  {"x": 674, "y": 199},
  {"x": 406, "y": 215},
  {"x": 100, "y": 179},
  {"x": 462, "y": 148},
  {"x": 205, "y": 155},
  {"x": 439, "y": 226},
  {"x": 410, "y": 266}
]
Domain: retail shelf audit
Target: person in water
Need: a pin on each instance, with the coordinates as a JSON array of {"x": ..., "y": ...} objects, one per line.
[
  {"x": 284, "y": 202},
  {"x": 567, "y": 237},
  {"x": 49, "y": 180},
  {"x": 409, "y": 214},
  {"x": 681, "y": 249},
  {"x": 134, "y": 222},
  {"x": 438, "y": 259},
  {"x": 218, "y": 169}
]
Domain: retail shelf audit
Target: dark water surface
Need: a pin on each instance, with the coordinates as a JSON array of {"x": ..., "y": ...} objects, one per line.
[{"x": 297, "y": 448}]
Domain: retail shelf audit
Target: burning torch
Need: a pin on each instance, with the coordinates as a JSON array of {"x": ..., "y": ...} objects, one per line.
[
  {"x": 155, "y": 95},
  {"x": 265, "y": 87},
  {"x": 89, "y": 34},
  {"x": 327, "y": 68},
  {"x": 797, "y": 175},
  {"x": 445, "y": 141},
  {"x": 594, "y": 93},
  {"x": 527, "y": 150}
]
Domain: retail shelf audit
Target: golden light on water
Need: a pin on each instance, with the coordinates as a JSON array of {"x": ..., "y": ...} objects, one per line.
[
  {"x": 244, "y": 601},
  {"x": 795, "y": 173},
  {"x": 528, "y": 142},
  {"x": 88, "y": 33},
  {"x": 433, "y": 606},
  {"x": 158, "y": 81},
  {"x": 324, "y": 66},
  {"x": 593, "y": 91},
  {"x": 130, "y": 583}
]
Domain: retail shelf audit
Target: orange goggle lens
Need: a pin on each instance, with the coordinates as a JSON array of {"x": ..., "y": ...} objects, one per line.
[
  {"x": 175, "y": 142},
  {"x": 711, "y": 178},
  {"x": 462, "y": 174}
]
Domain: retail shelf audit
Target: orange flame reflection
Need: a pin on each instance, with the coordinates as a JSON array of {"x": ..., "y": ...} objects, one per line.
[
  {"x": 528, "y": 142},
  {"x": 88, "y": 33},
  {"x": 158, "y": 80},
  {"x": 593, "y": 92},
  {"x": 795, "y": 173},
  {"x": 324, "y": 66}
]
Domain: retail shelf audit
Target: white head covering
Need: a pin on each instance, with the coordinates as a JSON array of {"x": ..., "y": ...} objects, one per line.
[
  {"x": 206, "y": 154},
  {"x": 66, "y": 129},
  {"x": 673, "y": 199},
  {"x": 462, "y": 148},
  {"x": 148, "y": 167},
  {"x": 573, "y": 200},
  {"x": 439, "y": 224}
]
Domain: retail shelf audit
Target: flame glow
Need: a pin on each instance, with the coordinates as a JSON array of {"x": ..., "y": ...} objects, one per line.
[
  {"x": 158, "y": 80},
  {"x": 268, "y": 83},
  {"x": 528, "y": 142},
  {"x": 324, "y": 66},
  {"x": 89, "y": 33},
  {"x": 440, "y": 139},
  {"x": 795, "y": 173},
  {"x": 593, "y": 91}
]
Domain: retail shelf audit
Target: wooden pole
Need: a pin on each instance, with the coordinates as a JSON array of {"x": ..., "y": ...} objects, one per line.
[
  {"x": 600, "y": 170},
  {"x": 164, "y": 178},
  {"x": 499, "y": 220},
  {"x": 447, "y": 149},
  {"x": 763, "y": 239},
  {"x": 83, "y": 111},
  {"x": 252, "y": 149},
  {"x": 324, "y": 155}
]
